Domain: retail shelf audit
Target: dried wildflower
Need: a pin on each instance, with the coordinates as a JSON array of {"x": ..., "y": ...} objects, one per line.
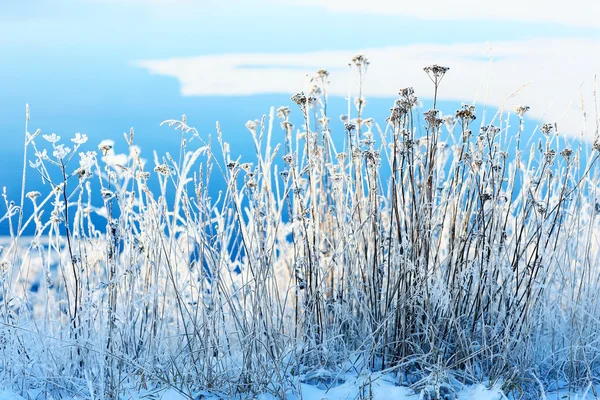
[
  {"x": 322, "y": 73},
  {"x": 432, "y": 119},
  {"x": 521, "y": 110},
  {"x": 284, "y": 174},
  {"x": 372, "y": 157},
  {"x": 360, "y": 61},
  {"x": 547, "y": 128},
  {"x": 60, "y": 151},
  {"x": 251, "y": 125},
  {"x": 79, "y": 139},
  {"x": 403, "y": 105},
  {"x": 549, "y": 156},
  {"x": 490, "y": 130},
  {"x": 53, "y": 138},
  {"x": 567, "y": 153},
  {"x": 106, "y": 147},
  {"x": 246, "y": 167},
  {"x": 303, "y": 101},
  {"x": 33, "y": 195},
  {"x": 466, "y": 114},
  {"x": 288, "y": 158},
  {"x": 87, "y": 160},
  {"x": 232, "y": 165},
  {"x": 350, "y": 127},
  {"x": 436, "y": 72},
  {"x": 283, "y": 112},
  {"x": 163, "y": 169},
  {"x": 407, "y": 92}
]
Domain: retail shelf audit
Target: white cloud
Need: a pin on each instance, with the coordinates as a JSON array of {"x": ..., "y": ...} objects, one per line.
[
  {"x": 572, "y": 12},
  {"x": 558, "y": 74}
]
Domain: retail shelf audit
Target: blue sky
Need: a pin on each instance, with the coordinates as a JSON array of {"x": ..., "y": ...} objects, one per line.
[
  {"x": 84, "y": 53},
  {"x": 101, "y": 66}
]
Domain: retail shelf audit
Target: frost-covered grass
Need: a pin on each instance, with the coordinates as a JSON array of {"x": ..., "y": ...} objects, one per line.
[{"x": 439, "y": 255}]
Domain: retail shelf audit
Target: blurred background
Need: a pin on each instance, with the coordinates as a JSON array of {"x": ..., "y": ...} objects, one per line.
[{"x": 100, "y": 67}]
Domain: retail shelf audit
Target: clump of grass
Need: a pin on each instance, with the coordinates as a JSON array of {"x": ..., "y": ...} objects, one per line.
[{"x": 442, "y": 253}]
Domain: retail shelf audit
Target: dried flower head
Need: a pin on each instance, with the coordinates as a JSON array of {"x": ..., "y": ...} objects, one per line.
[
  {"x": 436, "y": 72},
  {"x": 360, "y": 61},
  {"x": 549, "y": 156},
  {"x": 467, "y": 113},
  {"x": 33, "y": 195},
  {"x": 106, "y": 147},
  {"x": 322, "y": 74},
  {"x": 163, "y": 169},
  {"x": 432, "y": 119},
  {"x": 283, "y": 112},
  {"x": 521, "y": 110},
  {"x": 60, "y": 151},
  {"x": 567, "y": 153},
  {"x": 547, "y": 128},
  {"x": 79, "y": 139},
  {"x": 350, "y": 127},
  {"x": 303, "y": 101},
  {"x": 53, "y": 138},
  {"x": 403, "y": 105},
  {"x": 288, "y": 158},
  {"x": 251, "y": 125}
]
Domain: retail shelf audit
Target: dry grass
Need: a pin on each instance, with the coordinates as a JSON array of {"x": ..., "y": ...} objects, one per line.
[{"x": 438, "y": 253}]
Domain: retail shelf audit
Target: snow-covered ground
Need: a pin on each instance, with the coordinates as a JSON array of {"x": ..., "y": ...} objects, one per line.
[{"x": 374, "y": 387}]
